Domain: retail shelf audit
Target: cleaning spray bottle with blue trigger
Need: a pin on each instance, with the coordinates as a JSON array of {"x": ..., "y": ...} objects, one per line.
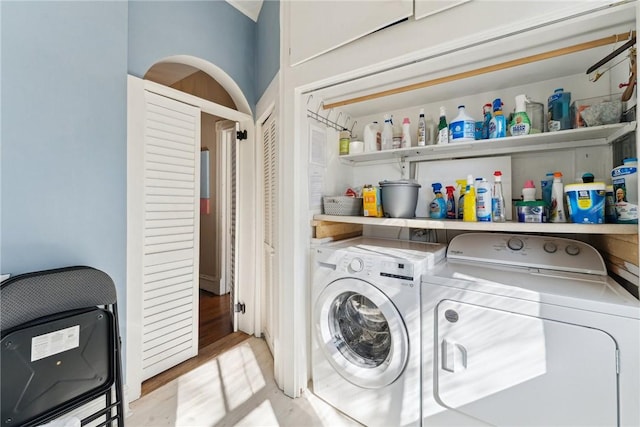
[{"x": 438, "y": 207}]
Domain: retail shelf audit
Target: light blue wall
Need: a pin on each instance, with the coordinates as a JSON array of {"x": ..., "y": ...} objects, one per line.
[
  {"x": 267, "y": 45},
  {"x": 210, "y": 30},
  {"x": 63, "y": 110},
  {"x": 63, "y": 152}
]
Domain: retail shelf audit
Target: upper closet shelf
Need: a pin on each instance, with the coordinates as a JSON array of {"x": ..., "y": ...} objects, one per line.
[{"x": 574, "y": 138}]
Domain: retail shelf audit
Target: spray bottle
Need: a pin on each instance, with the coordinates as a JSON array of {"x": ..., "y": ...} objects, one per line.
[
  {"x": 461, "y": 188},
  {"x": 558, "y": 212},
  {"x": 469, "y": 208},
  {"x": 520, "y": 125},
  {"x": 497, "y": 125},
  {"x": 451, "y": 203},
  {"x": 497, "y": 199},
  {"x": 438, "y": 207}
]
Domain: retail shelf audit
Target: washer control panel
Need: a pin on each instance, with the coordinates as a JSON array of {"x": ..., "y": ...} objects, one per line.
[
  {"x": 552, "y": 253},
  {"x": 371, "y": 267}
]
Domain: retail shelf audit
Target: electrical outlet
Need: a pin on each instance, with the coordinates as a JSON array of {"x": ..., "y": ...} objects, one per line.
[{"x": 418, "y": 234}]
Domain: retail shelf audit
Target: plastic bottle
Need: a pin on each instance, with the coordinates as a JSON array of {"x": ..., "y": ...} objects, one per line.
[
  {"x": 497, "y": 199},
  {"x": 397, "y": 135},
  {"x": 463, "y": 127},
  {"x": 520, "y": 124},
  {"x": 443, "y": 127},
  {"x": 345, "y": 139},
  {"x": 557, "y": 211},
  {"x": 406, "y": 133},
  {"x": 559, "y": 117},
  {"x": 461, "y": 183},
  {"x": 625, "y": 191},
  {"x": 387, "y": 134},
  {"x": 422, "y": 129},
  {"x": 431, "y": 131},
  {"x": 437, "y": 207},
  {"x": 545, "y": 186},
  {"x": 486, "y": 120},
  {"x": 371, "y": 136},
  {"x": 529, "y": 191},
  {"x": 451, "y": 203},
  {"x": 469, "y": 208},
  {"x": 483, "y": 200},
  {"x": 498, "y": 124}
]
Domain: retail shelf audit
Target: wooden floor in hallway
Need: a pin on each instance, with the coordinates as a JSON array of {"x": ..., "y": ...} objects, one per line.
[{"x": 215, "y": 336}]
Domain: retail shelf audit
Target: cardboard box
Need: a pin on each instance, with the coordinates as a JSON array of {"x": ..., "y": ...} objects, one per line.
[{"x": 371, "y": 201}]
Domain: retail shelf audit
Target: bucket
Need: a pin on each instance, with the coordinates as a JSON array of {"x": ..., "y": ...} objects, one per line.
[
  {"x": 399, "y": 198},
  {"x": 586, "y": 202}
]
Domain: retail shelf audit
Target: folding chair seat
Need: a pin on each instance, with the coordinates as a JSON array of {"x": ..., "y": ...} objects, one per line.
[{"x": 60, "y": 348}]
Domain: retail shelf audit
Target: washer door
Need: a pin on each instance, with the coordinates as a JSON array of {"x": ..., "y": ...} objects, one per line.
[{"x": 361, "y": 333}]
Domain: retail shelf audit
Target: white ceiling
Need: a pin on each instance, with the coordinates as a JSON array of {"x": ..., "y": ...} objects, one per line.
[{"x": 251, "y": 8}]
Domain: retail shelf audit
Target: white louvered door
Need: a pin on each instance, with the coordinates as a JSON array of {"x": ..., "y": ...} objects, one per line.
[
  {"x": 270, "y": 214},
  {"x": 171, "y": 233}
]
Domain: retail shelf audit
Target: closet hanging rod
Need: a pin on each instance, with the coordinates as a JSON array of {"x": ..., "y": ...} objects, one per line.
[{"x": 488, "y": 69}]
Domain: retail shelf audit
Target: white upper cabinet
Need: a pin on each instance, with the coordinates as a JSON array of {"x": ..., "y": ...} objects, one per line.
[
  {"x": 320, "y": 26},
  {"x": 429, "y": 7}
]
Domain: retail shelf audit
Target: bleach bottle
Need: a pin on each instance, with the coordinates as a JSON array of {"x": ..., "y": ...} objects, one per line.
[
  {"x": 483, "y": 200},
  {"x": 451, "y": 203},
  {"x": 437, "y": 207}
]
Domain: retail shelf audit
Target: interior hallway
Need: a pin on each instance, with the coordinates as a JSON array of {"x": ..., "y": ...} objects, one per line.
[{"x": 236, "y": 388}]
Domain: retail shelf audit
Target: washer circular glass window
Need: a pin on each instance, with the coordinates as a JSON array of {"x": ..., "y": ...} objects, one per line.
[
  {"x": 361, "y": 333},
  {"x": 361, "y": 328}
]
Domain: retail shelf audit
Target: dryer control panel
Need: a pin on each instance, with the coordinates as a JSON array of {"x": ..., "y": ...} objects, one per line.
[{"x": 551, "y": 253}]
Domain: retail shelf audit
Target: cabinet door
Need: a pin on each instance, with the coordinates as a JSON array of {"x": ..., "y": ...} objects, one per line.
[
  {"x": 320, "y": 26},
  {"x": 510, "y": 369},
  {"x": 429, "y": 7}
]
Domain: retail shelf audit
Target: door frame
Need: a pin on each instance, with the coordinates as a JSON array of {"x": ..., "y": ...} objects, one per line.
[{"x": 246, "y": 234}]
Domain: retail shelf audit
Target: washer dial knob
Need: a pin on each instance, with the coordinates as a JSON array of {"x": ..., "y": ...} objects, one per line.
[
  {"x": 356, "y": 265},
  {"x": 515, "y": 244},
  {"x": 572, "y": 250},
  {"x": 550, "y": 247}
]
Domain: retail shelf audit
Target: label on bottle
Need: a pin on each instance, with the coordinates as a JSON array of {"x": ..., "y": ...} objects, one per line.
[
  {"x": 464, "y": 129},
  {"x": 483, "y": 203},
  {"x": 422, "y": 134},
  {"x": 443, "y": 136}
]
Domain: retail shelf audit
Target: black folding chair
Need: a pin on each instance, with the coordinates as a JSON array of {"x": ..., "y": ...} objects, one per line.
[{"x": 60, "y": 348}]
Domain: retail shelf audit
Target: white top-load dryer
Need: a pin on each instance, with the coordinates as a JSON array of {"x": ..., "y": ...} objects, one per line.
[
  {"x": 365, "y": 307},
  {"x": 528, "y": 330}
]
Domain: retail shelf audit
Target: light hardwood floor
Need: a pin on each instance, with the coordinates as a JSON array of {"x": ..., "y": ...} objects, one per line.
[{"x": 235, "y": 388}]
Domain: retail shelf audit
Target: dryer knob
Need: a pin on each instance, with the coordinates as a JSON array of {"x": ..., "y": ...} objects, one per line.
[
  {"x": 550, "y": 247},
  {"x": 572, "y": 249},
  {"x": 356, "y": 265},
  {"x": 515, "y": 244}
]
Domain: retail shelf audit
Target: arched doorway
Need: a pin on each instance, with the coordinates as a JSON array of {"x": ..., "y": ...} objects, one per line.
[{"x": 163, "y": 256}]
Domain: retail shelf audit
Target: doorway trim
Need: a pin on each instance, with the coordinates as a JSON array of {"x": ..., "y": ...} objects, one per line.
[{"x": 247, "y": 207}]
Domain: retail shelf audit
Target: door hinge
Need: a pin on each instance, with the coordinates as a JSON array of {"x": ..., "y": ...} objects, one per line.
[
  {"x": 241, "y": 134},
  {"x": 239, "y": 308}
]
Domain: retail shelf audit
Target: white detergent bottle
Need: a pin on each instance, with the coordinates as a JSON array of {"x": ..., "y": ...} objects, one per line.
[
  {"x": 406, "y": 133},
  {"x": 463, "y": 127},
  {"x": 387, "y": 133},
  {"x": 557, "y": 211},
  {"x": 520, "y": 124}
]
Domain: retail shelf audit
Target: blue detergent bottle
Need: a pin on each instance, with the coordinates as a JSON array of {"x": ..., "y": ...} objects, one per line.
[
  {"x": 437, "y": 207},
  {"x": 498, "y": 124}
]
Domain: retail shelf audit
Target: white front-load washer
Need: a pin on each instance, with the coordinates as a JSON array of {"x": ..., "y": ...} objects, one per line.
[
  {"x": 528, "y": 330},
  {"x": 366, "y": 327}
]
